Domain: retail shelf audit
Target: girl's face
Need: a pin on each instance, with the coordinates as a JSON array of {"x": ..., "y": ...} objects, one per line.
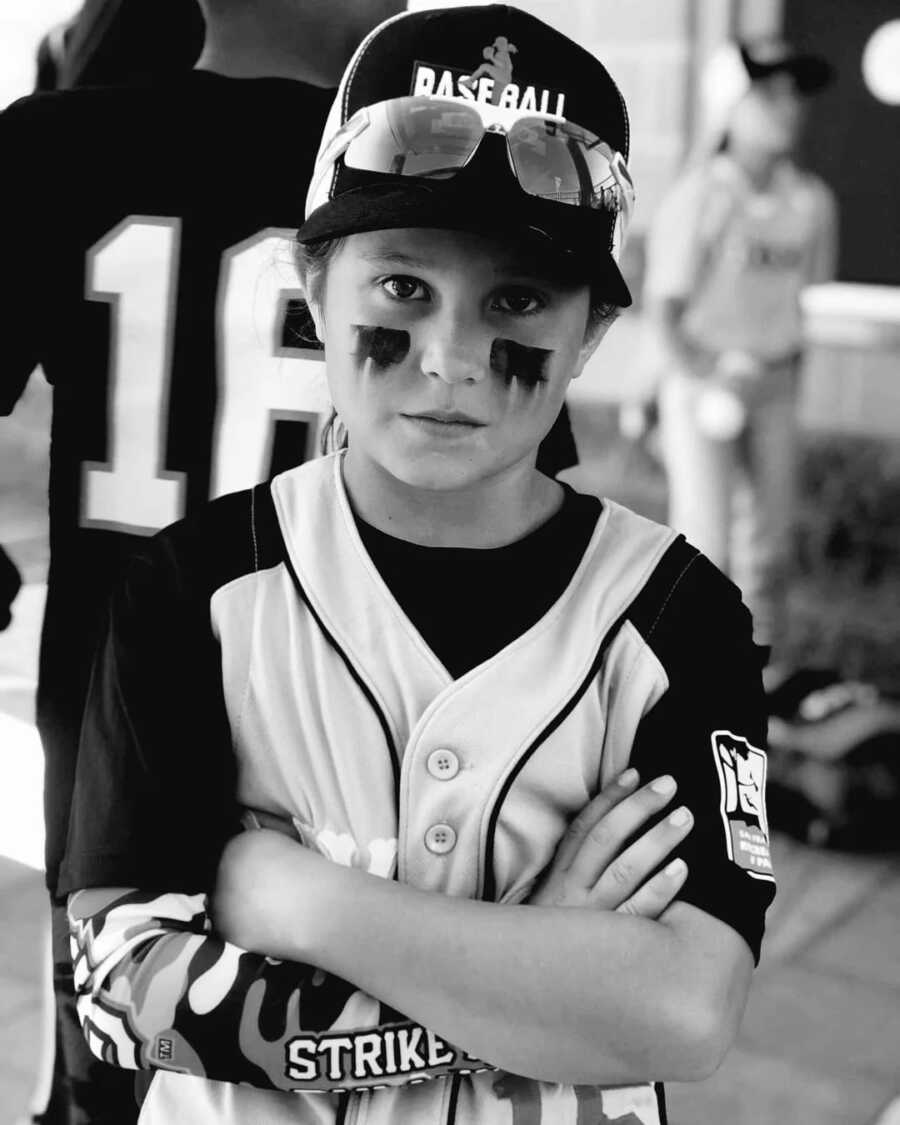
[{"x": 449, "y": 353}]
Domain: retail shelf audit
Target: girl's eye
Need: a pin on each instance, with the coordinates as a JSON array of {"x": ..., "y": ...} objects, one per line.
[
  {"x": 519, "y": 301},
  {"x": 404, "y": 288}
]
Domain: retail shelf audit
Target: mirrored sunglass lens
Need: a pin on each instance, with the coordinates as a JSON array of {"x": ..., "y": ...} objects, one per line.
[
  {"x": 558, "y": 161},
  {"x": 416, "y": 137}
]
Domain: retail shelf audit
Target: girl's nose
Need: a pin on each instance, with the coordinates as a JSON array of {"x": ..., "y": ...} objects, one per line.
[{"x": 456, "y": 353}]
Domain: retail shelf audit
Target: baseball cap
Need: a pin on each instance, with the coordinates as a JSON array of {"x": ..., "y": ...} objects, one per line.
[
  {"x": 469, "y": 66},
  {"x": 776, "y": 56}
]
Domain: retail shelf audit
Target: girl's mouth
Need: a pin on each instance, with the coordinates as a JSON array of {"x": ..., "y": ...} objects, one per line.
[{"x": 446, "y": 421}]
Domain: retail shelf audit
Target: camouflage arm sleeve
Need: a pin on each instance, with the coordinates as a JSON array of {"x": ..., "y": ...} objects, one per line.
[{"x": 156, "y": 989}]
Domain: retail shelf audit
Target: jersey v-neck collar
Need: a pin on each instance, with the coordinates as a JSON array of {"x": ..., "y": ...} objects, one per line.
[
  {"x": 369, "y": 618},
  {"x": 469, "y": 603}
]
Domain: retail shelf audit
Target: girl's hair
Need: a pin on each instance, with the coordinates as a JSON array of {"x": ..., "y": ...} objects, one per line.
[{"x": 312, "y": 262}]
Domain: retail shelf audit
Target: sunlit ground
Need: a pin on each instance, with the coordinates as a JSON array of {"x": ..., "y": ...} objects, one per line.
[
  {"x": 22, "y": 769},
  {"x": 21, "y": 760}
]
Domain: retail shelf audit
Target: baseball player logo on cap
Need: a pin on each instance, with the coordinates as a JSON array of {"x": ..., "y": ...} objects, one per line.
[
  {"x": 490, "y": 84},
  {"x": 742, "y": 777},
  {"x": 498, "y": 66}
]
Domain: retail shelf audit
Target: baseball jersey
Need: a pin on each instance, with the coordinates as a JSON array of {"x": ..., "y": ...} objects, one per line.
[
  {"x": 148, "y": 268},
  {"x": 740, "y": 257},
  {"x": 252, "y": 663}
]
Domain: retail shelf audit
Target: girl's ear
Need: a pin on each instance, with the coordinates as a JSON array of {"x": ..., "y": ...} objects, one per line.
[{"x": 596, "y": 330}]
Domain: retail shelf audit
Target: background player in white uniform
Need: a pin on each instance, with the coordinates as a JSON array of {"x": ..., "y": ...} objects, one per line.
[
  {"x": 732, "y": 246},
  {"x": 424, "y": 658}
]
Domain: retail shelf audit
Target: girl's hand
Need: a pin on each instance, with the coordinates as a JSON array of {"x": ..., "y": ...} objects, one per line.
[{"x": 591, "y": 868}]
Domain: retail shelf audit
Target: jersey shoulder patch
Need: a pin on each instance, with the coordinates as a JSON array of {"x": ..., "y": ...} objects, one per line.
[{"x": 742, "y": 777}]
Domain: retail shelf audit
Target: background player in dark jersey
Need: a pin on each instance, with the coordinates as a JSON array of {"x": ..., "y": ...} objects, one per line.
[{"x": 147, "y": 279}]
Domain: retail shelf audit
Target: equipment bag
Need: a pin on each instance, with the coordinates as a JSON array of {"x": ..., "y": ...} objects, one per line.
[{"x": 834, "y": 762}]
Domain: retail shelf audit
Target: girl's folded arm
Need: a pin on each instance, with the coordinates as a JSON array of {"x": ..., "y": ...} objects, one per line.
[
  {"x": 156, "y": 988},
  {"x": 557, "y": 994}
]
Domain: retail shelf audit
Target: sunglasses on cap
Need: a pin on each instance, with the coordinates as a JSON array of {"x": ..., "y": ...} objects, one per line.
[{"x": 431, "y": 137}]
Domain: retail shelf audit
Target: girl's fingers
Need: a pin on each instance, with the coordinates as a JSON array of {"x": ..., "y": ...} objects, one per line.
[
  {"x": 605, "y": 801},
  {"x": 629, "y": 871},
  {"x": 606, "y": 837},
  {"x": 658, "y": 893}
]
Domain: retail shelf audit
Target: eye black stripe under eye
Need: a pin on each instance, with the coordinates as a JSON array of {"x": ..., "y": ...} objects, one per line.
[
  {"x": 384, "y": 346},
  {"x": 519, "y": 361}
]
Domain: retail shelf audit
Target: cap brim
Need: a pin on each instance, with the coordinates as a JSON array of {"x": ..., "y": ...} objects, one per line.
[
  {"x": 810, "y": 72},
  {"x": 573, "y": 233}
]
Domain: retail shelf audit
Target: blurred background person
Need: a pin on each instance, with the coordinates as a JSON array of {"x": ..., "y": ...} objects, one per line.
[{"x": 741, "y": 233}]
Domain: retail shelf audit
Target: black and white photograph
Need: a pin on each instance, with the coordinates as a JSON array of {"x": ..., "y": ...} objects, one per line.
[{"x": 450, "y": 562}]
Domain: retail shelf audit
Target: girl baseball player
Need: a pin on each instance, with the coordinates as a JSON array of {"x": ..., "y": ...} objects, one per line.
[
  {"x": 427, "y": 664},
  {"x": 732, "y": 246}
]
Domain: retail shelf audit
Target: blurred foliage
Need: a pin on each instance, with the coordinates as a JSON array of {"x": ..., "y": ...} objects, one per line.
[
  {"x": 844, "y": 603},
  {"x": 849, "y": 515}
]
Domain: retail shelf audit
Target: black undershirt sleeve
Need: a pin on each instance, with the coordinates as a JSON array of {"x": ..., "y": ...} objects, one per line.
[{"x": 703, "y": 639}]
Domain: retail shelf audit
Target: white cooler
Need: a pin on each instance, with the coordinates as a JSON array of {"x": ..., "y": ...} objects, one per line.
[{"x": 852, "y": 369}]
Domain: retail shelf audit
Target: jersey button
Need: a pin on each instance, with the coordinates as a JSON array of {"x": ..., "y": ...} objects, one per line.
[
  {"x": 440, "y": 839},
  {"x": 442, "y": 764}
]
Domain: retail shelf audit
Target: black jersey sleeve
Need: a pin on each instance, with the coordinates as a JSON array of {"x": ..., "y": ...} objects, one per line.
[{"x": 708, "y": 730}]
